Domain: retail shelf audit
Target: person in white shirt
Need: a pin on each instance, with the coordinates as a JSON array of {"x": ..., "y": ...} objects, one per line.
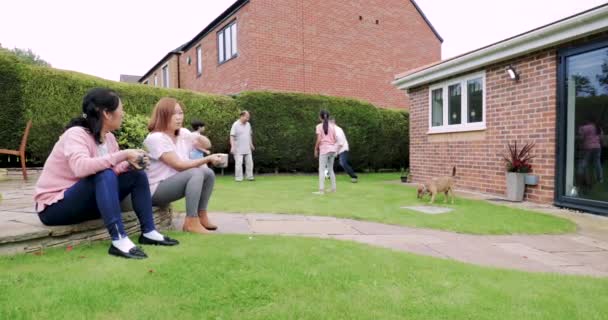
[
  {"x": 241, "y": 146},
  {"x": 343, "y": 152}
]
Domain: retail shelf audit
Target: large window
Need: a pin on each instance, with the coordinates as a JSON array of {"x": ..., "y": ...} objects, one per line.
[
  {"x": 165, "y": 73},
  {"x": 227, "y": 43},
  {"x": 582, "y": 179},
  {"x": 199, "y": 60},
  {"x": 458, "y": 105}
]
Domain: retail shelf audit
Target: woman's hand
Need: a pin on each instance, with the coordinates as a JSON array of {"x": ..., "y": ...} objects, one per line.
[
  {"x": 137, "y": 158},
  {"x": 214, "y": 159}
]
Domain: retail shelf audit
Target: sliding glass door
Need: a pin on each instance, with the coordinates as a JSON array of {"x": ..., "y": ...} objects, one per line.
[{"x": 582, "y": 170}]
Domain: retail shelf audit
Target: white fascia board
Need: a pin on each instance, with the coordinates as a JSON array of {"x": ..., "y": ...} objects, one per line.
[{"x": 577, "y": 27}]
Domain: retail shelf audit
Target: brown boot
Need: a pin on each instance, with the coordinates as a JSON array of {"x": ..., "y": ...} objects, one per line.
[
  {"x": 204, "y": 219},
  {"x": 193, "y": 225}
]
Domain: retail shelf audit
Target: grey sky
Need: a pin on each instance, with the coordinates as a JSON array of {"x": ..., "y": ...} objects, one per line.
[{"x": 112, "y": 37}]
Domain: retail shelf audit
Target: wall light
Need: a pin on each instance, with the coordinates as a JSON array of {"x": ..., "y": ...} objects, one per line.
[{"x": 513, "y": 75}]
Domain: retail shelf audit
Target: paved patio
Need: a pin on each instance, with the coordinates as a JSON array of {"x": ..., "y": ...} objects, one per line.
[{"x": 583, "y": 253}]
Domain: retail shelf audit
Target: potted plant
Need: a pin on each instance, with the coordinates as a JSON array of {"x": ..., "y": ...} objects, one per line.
[
  {"x": 518, "y": 165},
  {"x": 405, "y": 174}
]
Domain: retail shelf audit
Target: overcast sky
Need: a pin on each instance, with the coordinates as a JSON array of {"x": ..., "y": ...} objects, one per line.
[{"x": 116, "y": 37}]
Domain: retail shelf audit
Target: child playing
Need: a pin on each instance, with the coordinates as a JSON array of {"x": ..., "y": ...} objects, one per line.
[{"x": 200, "y": 149}]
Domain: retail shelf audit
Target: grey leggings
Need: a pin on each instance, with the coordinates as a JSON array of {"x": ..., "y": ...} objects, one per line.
[{"x": 196, "y": 184}]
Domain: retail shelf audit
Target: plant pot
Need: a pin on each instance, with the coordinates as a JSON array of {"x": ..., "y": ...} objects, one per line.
[
  {"x": 404, "y": 179},
  {"x": 515, "y": 186},
  {"x": 531, "y": 180}
]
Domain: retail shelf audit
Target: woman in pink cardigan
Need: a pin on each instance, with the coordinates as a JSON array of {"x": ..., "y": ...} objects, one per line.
[{"x": 86, "y": 176}]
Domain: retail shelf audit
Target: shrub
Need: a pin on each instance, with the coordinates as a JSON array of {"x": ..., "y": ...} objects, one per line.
[
  {"x": 283, "y": 123},
  {"x": 132, "y": 132},
  {"x": 283, "y": 127}
]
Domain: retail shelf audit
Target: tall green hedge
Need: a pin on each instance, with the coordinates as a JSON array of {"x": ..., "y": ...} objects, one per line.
[
  {"x": 283, "y": 123},
  {"x": 284, "y": 130}
]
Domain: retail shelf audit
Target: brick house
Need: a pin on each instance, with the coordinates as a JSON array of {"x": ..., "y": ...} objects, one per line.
[
  {"x": 465, "y": 109},
  {"x": 340, "y": 48}
]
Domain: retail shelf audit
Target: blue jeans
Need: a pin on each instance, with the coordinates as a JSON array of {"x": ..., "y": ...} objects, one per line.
[
  {"x": 100, "y": 195},
  {"x": 345, "y": 164}
]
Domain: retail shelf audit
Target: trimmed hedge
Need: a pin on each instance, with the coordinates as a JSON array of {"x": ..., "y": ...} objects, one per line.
[
  {"x": 283, "y": 123},
  {"x": 284, "y": 130}
]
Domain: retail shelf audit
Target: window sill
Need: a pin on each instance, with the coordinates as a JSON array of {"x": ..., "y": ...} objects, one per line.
[
  {"x": 459, "y": 128},
  {"x": 230, "y": 59}
]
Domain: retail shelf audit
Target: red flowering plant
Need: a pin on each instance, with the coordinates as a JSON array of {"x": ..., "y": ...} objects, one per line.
[{"x": 518, "y": 160}]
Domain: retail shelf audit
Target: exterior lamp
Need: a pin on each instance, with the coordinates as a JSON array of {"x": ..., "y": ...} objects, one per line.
[{"x": 513, "y": 75}]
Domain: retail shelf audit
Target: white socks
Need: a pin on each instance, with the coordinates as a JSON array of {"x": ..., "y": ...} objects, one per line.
[
  {"x": 123, "y": 244},
  {"x": 154, "y": 235}
]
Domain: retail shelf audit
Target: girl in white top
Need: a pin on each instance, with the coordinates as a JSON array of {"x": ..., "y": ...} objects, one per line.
[{"x": 172, "y": 174}]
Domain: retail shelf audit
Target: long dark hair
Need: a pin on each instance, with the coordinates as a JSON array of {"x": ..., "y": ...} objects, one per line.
[
  {"x": 324, "y": 114},
  {"x": 94, "y": 103}
]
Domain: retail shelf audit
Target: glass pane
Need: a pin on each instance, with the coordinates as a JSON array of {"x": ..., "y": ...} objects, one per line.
[
  {"x": 220, "y": 47},
  {"x": 166, "y": 77},
  {"x": 587, "y": 125},
  {"x": 199, "y": 60},
  {"x": 454, "y": 104},
  {"x": 475, "y": 100},
  {"x": 234, "y": 51},
  {"x": 228, "y": 43},
  {"x": 437, "y": 113}
]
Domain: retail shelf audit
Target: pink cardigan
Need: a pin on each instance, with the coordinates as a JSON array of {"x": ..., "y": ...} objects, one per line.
[{"x": 74, "y": 157}]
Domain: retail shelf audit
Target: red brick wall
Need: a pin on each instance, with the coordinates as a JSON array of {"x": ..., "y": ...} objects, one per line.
[
  {"x": 319, "y": 46},
  {"x": 522, "y": 111},
  {"x": 230, "y": 77},
  {"x": 173, "y": 74}
]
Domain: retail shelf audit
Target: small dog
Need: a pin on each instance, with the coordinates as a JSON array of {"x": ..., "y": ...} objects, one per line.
[{"x": 438, "y": 185}]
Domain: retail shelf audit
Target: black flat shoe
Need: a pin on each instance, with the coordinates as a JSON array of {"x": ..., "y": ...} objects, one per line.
[
  {"x": 134, "y": 253},
  {"x": 165, "y": 242}
]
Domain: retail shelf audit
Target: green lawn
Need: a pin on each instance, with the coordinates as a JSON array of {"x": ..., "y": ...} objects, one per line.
[
  {"x": 377, "y": 197},
  {"x": 242, "y": 277}
]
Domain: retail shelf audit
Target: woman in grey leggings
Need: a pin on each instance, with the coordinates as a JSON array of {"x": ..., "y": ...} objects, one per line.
[{"x": 172, "y": 174}]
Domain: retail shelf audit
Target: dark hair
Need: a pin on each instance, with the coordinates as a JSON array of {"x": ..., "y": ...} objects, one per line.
[
  {"x": 324, "y": 114},
  {"x": 590, "y": 119},
  {"x": 243, "y": 113},
  {"x": 196, "y": 124},
  {"x": 95, "y": 102}
]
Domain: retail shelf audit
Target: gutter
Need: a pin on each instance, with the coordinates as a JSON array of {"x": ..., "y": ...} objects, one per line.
[{"x": 591, "y": 21}]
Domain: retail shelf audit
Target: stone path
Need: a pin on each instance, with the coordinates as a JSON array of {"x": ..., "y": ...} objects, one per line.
[
  {"x": 575, "y": 253},
  {"x": 583, "y": 253}
]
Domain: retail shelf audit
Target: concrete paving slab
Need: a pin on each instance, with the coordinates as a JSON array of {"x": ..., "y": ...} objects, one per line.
[
  {"x": 597, "y": 259},
  {"x": 393, "y": 242},
  {"x": 591, "y": 242},
  {"x": 301, "y": 227},
  {"x": 11, "y": 231},
  {"x": 429, "y": 209},
  {"x": 543, "y": 257}
]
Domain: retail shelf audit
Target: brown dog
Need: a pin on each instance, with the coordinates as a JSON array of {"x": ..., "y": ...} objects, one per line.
[{"x": 438, "y": 185}]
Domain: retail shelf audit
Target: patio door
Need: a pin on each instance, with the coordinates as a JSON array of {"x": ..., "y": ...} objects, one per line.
[{"x": 582, "y": 177}]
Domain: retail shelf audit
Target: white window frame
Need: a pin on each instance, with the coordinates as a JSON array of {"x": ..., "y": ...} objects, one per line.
[
  {"x": 464, "y": 107},
  {"x": 227, "y": 43},
  {"x": 165, "y": 75},
  {"x": 199, "y": 60},
  {"x": 155, "y": 80}
]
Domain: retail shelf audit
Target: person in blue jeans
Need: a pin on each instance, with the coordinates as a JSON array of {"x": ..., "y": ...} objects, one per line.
[
  {"x": 86, "y": 176},
  {"x": 343, "y": 152}
]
